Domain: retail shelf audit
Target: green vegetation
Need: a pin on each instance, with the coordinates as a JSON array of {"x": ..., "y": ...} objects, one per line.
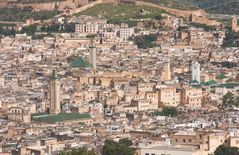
[
  {"x": 60, "y": 117},
  {"x": 78, "y": 151},
  {"x": 30, "y": 30},
  {"x": 42, "y": 36},
  {"x": 53, "y": 28},
  {"x": 211, "y": 6},
  {"x": 6, "y": 31},
  {"x": 204, "y": 26},
  {"x": 123, "y": 147},
  {"x": 226, "y": 22},
  {"x": 229, "y": 100},
  {"x": 178, "y": 4},
  {"x": 60, "y": 28},
  {"x": 91, "y": 36},
  {"x": 205, "y": 3},
  {"x": 227, "y": 85},
  {"x": 226, "y": 7},
  {"x": 231, "y": 39},
  {"x": 145, "y": 41},
  {"x": 44, "y": 31},
  {"x": 167, "y": 111},
  {"x": 183, "y": 28},
  {"x": 226, "y": 150},
  {"x": 122, "y": 13},
  {"x": 215, "y": 6},
  {"x": 197, "y": 25},
  {"x": 20, "y": 15}
]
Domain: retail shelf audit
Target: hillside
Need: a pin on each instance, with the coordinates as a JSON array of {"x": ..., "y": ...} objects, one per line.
[
  {"x": 118, "y": 13},
  {"x": 211, "y": 6},
  {"x": 20, "y": 15}
]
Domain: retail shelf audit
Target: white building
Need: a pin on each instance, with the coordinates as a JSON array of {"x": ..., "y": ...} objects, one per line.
[
  {"x": 125, "y": 33},
  {"x": 91, "y": 28},
  {"x": 88, "y": 28},
  {"x": 80, "y": 28},
  {"x": 196, "y": 71}
]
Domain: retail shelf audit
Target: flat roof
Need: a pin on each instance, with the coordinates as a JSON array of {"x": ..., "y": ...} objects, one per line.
[{"x": 174, "y": 147}]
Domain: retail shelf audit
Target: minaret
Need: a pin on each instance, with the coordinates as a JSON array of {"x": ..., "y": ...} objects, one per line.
[
  {"x": 92, "y": 54},
  {"x": 55, "y": 105},
  {"x": 166, "y": 75},
  {"x": 196, "y": 71}
]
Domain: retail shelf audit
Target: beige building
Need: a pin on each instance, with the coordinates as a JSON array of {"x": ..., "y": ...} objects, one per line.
[
  {"x": 144, "y": 86},
  {"x": 234, "y": 24},
  {"x": 208, "y": 140},
  {"x": 170, "y": 149},
  {"x": 169, "y": 97},
  {"x": 142, "y": 105},
  {"x": 191, "y": 97}
]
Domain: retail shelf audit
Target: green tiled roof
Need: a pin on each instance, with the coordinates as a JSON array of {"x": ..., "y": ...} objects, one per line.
[
  {"x": 220, "y": 76},
  {"x": 79, "y": 62},
  {"x": 61, "y": 117},
  {"x": 209, "y": 83}
]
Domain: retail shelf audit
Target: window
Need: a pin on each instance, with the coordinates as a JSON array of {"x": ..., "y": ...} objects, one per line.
[
  {"x": 146, "y": 153},
  {"x": 184, "y": 140},
  {"x": 152, "y": 153}
]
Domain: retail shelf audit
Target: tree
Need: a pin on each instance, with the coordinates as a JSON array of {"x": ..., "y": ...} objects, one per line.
[
  {"x": 229, "y": 100},
  {"x": 54, "y": 28},
  {"x": 159, "y": 17},
  {"x": 168, "y": 111},
  {"x": 225, "y": 150},
  {"x": 231, "y": 39},
  {"x": 29, "y": 30},
  {"x": 145, "y": 41},
  {"x": 78, "y": 151},
  {"x": 123, "y": 147}
]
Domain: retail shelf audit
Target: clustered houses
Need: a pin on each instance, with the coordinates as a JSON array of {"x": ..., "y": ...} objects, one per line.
[
  {"x": 117, "y": 96},
  {"x": 104, "y": 30}
]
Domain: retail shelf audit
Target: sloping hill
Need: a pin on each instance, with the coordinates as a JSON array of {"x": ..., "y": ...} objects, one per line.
[
  {"x": 122, "y": 13},
  {"x": 211, "y": 6},
  {"x": 215, "y": 6}
]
